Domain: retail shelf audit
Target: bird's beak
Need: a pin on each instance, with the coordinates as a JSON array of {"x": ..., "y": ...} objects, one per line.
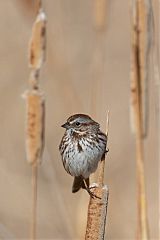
[{"x": 65, "y": 125}]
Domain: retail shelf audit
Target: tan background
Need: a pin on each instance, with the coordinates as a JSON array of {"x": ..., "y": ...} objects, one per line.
[{"x": 86, "y": 71}]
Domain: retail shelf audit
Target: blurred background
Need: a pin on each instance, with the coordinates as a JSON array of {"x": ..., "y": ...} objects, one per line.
[{"x": 86, "y": 71}]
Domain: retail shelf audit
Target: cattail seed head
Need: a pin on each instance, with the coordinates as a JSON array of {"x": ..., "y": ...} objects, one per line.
[{"x": 34, "y": 126}]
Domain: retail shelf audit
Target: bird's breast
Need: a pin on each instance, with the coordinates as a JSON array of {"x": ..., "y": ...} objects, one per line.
[{"x": 81, "y": 157}]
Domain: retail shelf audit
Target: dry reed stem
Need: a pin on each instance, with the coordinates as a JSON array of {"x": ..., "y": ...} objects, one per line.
[
  {"x": 34, "y": 202},
  {"x": 156, "y": 64},
  {"x": 142, "y": 26},
  {"x": 97, "y": 208},
  {"x": 137, "y": 108},
  {"x": 141, "y": 195},
  {"x": 35, "y": 108},
  {"x": 100, "y": 8},
  {"x": 102, "y": 162}
]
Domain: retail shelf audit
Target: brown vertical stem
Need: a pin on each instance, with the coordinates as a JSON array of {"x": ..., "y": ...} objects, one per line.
[
  {"x": 35, "y": 108},
  {"x": 102, "y": 163},
  {"x": 137, "y": 105},
  {"x": 143, "y": 33},
  {"x": 101, "y": 171},
  {"x": 34, "y": 202},
  {"x": 156, "y": 63},
  {"x": 97, "y": 208},
  {"x": 141, "y": 196}
]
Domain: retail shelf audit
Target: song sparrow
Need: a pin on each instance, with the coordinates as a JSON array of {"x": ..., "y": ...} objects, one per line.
[{"x": 81, "y": 148}]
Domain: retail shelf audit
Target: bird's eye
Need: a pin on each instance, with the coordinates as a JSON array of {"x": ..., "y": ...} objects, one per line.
[{"x": 77, "y": 124}]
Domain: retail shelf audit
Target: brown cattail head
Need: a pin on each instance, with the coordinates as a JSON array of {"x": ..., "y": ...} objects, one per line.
[
  {"x": 34, "y": 126},
  {"x": 97, "y": 214},
  {"x": 38, "y": 41}
]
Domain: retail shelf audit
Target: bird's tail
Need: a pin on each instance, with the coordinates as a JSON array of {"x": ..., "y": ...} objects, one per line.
[{"x": 78, "y": 183}]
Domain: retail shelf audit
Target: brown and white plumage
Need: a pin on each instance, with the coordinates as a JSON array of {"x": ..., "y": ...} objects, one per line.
[{"x": 81, "y": 148}]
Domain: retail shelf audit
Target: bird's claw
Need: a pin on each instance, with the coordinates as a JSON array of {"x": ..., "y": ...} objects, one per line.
[
  {"x": 92, "y": 195},
  {"x": 94, "y": 185}
]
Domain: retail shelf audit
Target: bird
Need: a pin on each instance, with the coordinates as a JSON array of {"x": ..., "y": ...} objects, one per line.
[{"x": 82, "y": 147}]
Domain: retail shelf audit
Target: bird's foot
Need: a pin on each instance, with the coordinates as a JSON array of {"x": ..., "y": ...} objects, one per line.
[
  {"x": 92, "y": 195},
  {"x": 93, "y": 185},
  {"x": 87, "y": 188}
]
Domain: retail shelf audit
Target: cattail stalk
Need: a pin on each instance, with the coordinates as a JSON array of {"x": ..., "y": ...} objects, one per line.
[
  {"x": 34, "y": 201},
  {"x": 141, "y": 40},
  {"x": 102, "y": 163},
  {"x": 142, "y": 32},
  {"x": 35, "y": 108},
  {"x": 97, "y": 209},
  {"x": 156, "y": 64}
]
